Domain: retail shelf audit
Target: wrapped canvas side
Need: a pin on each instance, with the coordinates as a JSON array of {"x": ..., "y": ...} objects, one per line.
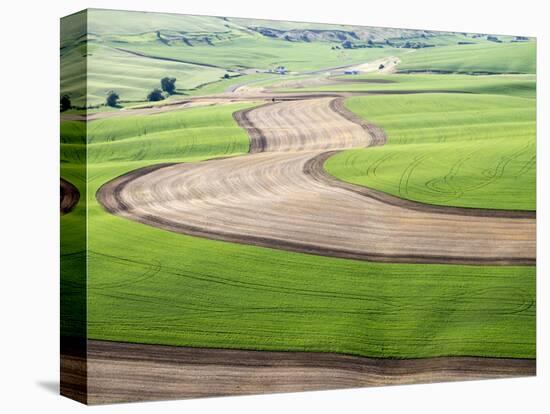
[{"x": 73, "y": 48}]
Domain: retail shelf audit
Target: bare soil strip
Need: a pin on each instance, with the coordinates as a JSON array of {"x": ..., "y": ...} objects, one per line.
[
  {"x": 277, "y": 196},
  {"x": 263, "y": 95},
  {"x": 121, "y": 372},
  {"x": 377, "y": 134},
  {"x": 69, "y": 196}
]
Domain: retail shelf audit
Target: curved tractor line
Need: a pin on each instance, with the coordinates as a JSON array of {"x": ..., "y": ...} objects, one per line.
[
  {"x": 278, "y": 196},
  {"x": 69, "y": 196}
]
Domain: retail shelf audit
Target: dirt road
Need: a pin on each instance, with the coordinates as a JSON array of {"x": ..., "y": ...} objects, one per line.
[{"x": 277, "y": 197}]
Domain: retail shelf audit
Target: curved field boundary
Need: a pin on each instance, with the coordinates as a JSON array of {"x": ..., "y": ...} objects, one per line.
[
  {"x": 378, "y": 135},
  {"x": 69, "y": 196},
  {"x": 168, "y": 59},
  {"x": 339, "y": 79},
  {"x": 279, "y": 197},
  {"x": 315, "y": 169},
  {"x": 258, "y": 141},
  {"x": 120, "y": 372},
  {"x": 110, "y": 196}
]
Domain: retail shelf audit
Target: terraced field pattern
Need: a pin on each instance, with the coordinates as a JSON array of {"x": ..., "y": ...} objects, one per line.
[{"x": 314, "y": 206}]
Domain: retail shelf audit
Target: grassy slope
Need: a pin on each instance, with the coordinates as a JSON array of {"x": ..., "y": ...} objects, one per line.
[
  {"x": 486, "y": 57},
  {"x": 234, "y": 47},
  {"x": 151, "y": 286},
  {"x": 111, "y": 68},
  {"x": 515, "y": 85},
  {"x": 124, "y": 22},
  {"x": 133, "y": 76},
  {"x": 72, "y": 52},
  {"x": 462, "y": 150},
  {"x": 73, "y": 73},
  {"x": 256, "y": 51},
  {"x": 73, "y": 232}
]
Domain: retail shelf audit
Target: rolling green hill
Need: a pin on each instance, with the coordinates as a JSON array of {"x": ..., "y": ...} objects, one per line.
[
  {"x": 123, "y": 22},
  {"x": 448, "y": 149},
  {"x": 151, "y": 286},
  {"x": 133, "y": 69},
  {"x": 133, "y": 77}
]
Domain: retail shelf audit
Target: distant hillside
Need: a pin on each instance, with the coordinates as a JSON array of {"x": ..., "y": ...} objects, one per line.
[
  {"x": 129, "y": 52},
  {"x": 513, "y": 57},
  {"x": 310, "y": 32}
]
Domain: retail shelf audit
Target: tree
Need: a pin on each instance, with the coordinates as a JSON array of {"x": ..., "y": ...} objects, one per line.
[
  {"x": 226, "y": 76},
  {"x": 65, "y": 103},
  {"x": 347, "y": 44},
  {"x": 112, "y": 99},
  {"x": 168, "y": 85},
  {"x": 155, "y": 95}
]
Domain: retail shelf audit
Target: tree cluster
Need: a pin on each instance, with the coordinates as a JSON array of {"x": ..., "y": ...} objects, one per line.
[
  {"x": 167, "y": 85},
  {"x": 112, "y": 99},
  {"x": 155, "y": 95},
  {"x": 65, "y": 103}
]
